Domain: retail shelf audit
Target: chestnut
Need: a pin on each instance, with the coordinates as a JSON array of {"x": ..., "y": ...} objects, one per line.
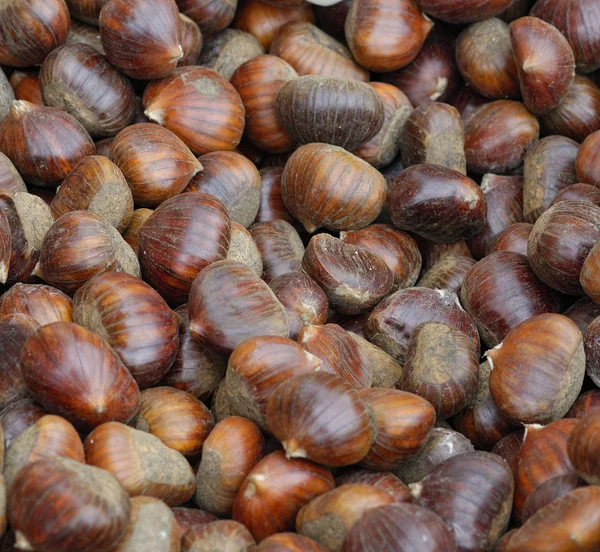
[
  {"x": 592, "y": 350},
  {"x": 514, "y": 238},
  {"x": 385, "y": 35},
  {"x": 466, "y": 100},
  {"x": 229, "y": 303},
  {"x": 73, "y": 372},
  {"x": 472, "y": 493},
  {"x": 26, "y": 86},
  {"x": 335, "y": 111},
  {"x": 447, "y": 273},
  {"x": 338, "y": 352},
  {"x": 311, "y": 51},
  {"x": 549, "y": 167},
  {"x": 138, "y": 459},
  {"x": 545, "y": 63},
  {"x": 538, "y": 369},
  {"x": 152, "y": 525},
  {"x": 326, "y": 186},
  {"x": 141, "y": 37},
  {"x": 588, "y": 159},
  {"x": 44, "y": 143},
  {"x": 98, "y": 185},
  {"x": 155, "y": 162},
  {"x": 10, "y": 179},
  {"x": 572, "y": 21},
  {"x": 191, "y": 41},
  {"x": 211, "y": 15},
  {"x": 382, "y": 148},
  {"x": 333, "y": 426},
  {"x": 432, "y": 76},
  {"x": 509, "y": 446},
  {"x": 588, "y": 275},
  {"x": 354, "y": 279},
  {"x": 394, "y": 320},
  {"x": 424, "y": 195},
  {"x": 393, "y": 526},
  {"x": 189, "y": 517},
  {"x": 80, "y": 33},
  {"x": 274, "y": 492},
  {"x": 218, "y": 535},
  {"x": 79, "y": 80},
  {"x": 257, "y": 366},
  {"x": 271, "y": 203},
  {"x": 17, "y": 417},
  {"x": 485, "y": 59},
  {"x": 199, "y": 232},
  {"x": 131, "y": 235},
  {"x": 44, "y": 304},
  {"x": 498, "y": 135},
  {"x": 402, "y": 424},
  {"x": 585, "y": 403},
  {"x": 196, "y": 369},
  {"x": 263, "y": 20},
  {"x": 199, "y": 106},
  {"x": 441, "y": 366},
  {"x": 177, "y": 418},
  {"x": 463, "y": 11},
  {"x": 243, "y": 248},
  {"x": 61, "y": 263},
  {"x": 304, "y": 301},
  {"x": 87, "y": 11},
  {"x": 70, "y": 495},
  {"x": 257, "y": 82},
  {"x": 584, "y": 447},
  {"x": 543, "y": 456},
  {"x": 289, "y": 542},
  {"x": 232, "y": 449},
  {"x": 32, "y": 29},
  {"x": 48, "y": 437},
  {"x": 328, "y": 518},
  {"x": 385, "y": 481},
  {"x": 565, "y": 525},
  {"x": 504, "y": 198},
  {"x": 549, "y": 491},
  {"x": 280, "y": 247},
  {"x": 501, "y": 291},
  {"x": 578, "y": 115},
  {"x": 557, "y": 258}
]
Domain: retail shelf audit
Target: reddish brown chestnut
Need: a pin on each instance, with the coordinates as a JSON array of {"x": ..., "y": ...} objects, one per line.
[
  {"x": 132, "y": 233},
  {"x": 550, "y": 491},
  {"x": 585, "y": 403},
  {"x": 463, "y": 11},
  {"x": 592, "y": 350},
  {"x": 17, "y": 417},
  {"x": 10, "y": 179},
  {"x": 447, "y": 273},
  {"x": 501, "y": 291},
  {"x": 325, "y": 186},
  {"x": 319, "y": 416},
  {"x": 289, "y": 542},
  {"x": 514, "y": 238},
  {"x": 188, "y": 517},
  {"x": 73, "y": 372},
  {"x": 584, "y": 447},
  {"x": 385, "y": 481},
  {"x": 142, "y": 37},
  {"x": 191, "y": 41},
  {"x": 218, "y": 535},
  {"x": 274, "y": 492},
  {"x": 354, "y": 279},
  {"x": 44, "y": 143},
  {"x": 44, "y": 304},
  {"x": 423, "y": 196},
  {"x": 26, "y": 86},
  {"x": 199, "y": 106},
  {"x": 211, "y": 15},
  {"x": 588, "y": 160}
]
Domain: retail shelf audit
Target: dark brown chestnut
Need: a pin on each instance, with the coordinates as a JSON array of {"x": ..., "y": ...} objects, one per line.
[
  {"x": 191, "y": 41},
  {"x": 514, "y": 238},
  {"x": 548, "y": 168},
  {"x": 549, "y": 491},
  {"x": 31, "y": 30},
  {"x": 26, "y": 86},
  {"x": 504, "y": 198},
  {"x": 271, "y": 203},
  {"x": 584, "y": 447},
  {"x": 592, "y": 350},
  {"x": 473, "y": 494},
  {"x": 199, "y": 232},
  {"x": 385, "y": 481},
  {"x": 333, "y": 428},
  {"x": 199, "y": 106},
  {"x": 132, "y": 233},
  {"x": 501, "y": 291},
  {"x": 423, "y": 196},
  {"x": 274, "y": 492},
  {"x": 311, "y": 51},
  {"x": 560, "y": 241},
  {"x": 585, "y": 403},
  {"x": 447, "y": 273},
  {"x": 589, "y": 274},
  {"x": 441, "y": 366},
  {"x": 142, "y": 37},
  {"x": 498, "y": 135},
  {"x": 211, "y": 15},
  {"x": 229, "y": 303},
  {"x": 44, "y": 143},
  {"x": 466, "y": 100},
  {"x": 588, "y": 160},
  {"x": 80, "y": 33},
  {"x": 485, "y": 59},
  {"x": 71, "y": 495},
  {"x": 326, "y": 186},
  {"x": 331, "y": 110},
  {"x": 257, "y": 82},
  {"x": 463, "y": 11},
  {"x": 392, "y": 322},
  {"x": 354, "y": 279},
  {"x": 73, "y": 372},
  {"x": 434, "y": 134},
  {"x": 79, "y": 80},
  {"x": 63, "y": 266}
]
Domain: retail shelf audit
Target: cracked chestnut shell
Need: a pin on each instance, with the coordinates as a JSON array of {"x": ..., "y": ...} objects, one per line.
[
  {"x": 437, "y": 203},
  {"x": 354, "y": 279}
]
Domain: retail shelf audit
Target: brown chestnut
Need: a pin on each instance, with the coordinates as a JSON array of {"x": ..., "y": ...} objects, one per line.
[
  {"x": 132, "y": 233},
  {"x": 289, "y": 542},
  {"x": 514, "y": 238},
  {"x": 44, "y": 304},
  {"x": 211, "y": 15},
  {"x": 448, "y": 273},
  {"x": 26, "y": 85},
  {"x": 17, "y": 417},
  {"x": 588, "y": 159},
  {"x": 243, "y": 248},
  {"x": 463, "y": 11},
  {"x": 218, "y": 535},
  {"x": 191, "y": 41},
  {"x": 592, "y": 350},
  {"x": 584, "y": 447},
  {"x": 585, "y": 403},
  {"x": 10, "y": 179},
  {"x": 549, "y": 491},
  {"x": 385, "y": 481}
]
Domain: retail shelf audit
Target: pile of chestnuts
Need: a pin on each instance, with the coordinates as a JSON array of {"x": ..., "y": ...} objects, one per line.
[{"x": 300, "y": 275}]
